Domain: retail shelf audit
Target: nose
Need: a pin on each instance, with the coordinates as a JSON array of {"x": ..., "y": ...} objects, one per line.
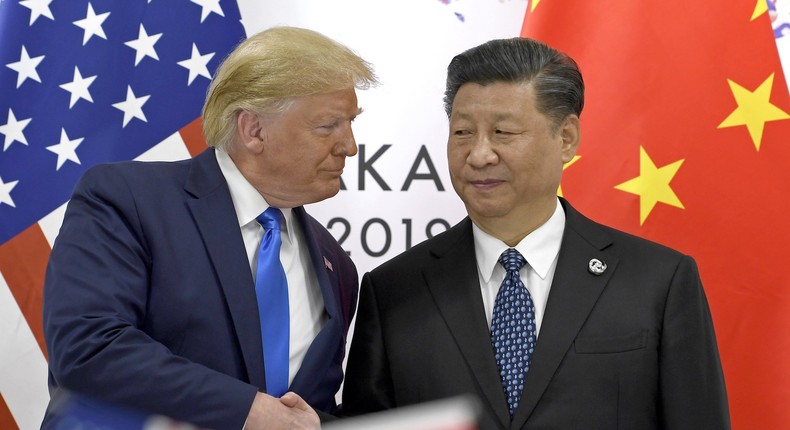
[
  {"x": 346, "y": 144},
  {"x": 482, "y": 153}
]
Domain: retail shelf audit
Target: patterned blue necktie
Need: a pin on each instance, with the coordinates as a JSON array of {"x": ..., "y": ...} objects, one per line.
[
  {"x": 271, "y": 289},
  {"x": 513, "y": 330}
]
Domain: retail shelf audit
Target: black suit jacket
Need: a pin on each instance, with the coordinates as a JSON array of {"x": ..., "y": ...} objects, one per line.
[
  {"x": 631, "y": 348},
  {"x": 149, "y": 301}
]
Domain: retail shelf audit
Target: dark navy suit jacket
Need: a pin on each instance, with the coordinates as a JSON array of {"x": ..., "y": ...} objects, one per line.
[
  {"x": 149, "y": 302},
  {"x": 631, "y": 347}
]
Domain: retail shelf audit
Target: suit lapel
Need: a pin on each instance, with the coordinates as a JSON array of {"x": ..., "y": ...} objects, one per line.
[
  {"x": 574, "y": 292},
  {"x": 215, "y": 217},
  {"x": 453, "y": 282},
  {"x": 321, "y": 265},
  {"x": 316, "y": 361}
]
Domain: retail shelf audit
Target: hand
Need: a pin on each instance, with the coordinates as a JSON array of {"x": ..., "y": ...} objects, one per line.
[{"x": 288, "y": 412}]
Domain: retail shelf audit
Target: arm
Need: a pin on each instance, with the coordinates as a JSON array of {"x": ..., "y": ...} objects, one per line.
[
  {"x": 692, "y": 386},
  {"x": 368, "y": 386},
  {"x": 95, "y": 312}
]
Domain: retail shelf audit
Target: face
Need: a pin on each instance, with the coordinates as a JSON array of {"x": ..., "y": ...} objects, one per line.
[
  {"x": 505, "y": 159},
  {"x": 296, "y": 157}
]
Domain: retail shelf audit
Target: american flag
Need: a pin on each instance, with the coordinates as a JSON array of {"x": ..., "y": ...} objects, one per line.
[{"x": 85, "y": 82}]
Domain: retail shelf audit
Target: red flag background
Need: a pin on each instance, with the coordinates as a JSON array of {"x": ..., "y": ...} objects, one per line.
[{"x": 686, "y": 141}]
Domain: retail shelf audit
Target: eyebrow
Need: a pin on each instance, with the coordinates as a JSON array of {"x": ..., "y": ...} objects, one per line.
[
  {"x": 337, "y": 116},
  {"x": 496, "y": 116}
]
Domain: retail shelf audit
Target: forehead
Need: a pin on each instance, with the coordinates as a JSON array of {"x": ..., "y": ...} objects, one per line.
[
  {"x": 497, "y": 99},
  {"x": 336, "y": 103}
]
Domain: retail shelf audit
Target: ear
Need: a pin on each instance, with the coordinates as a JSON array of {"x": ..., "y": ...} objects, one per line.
[
  {"x": 249, "y": 131},
  {"x": 570, "y": 133}
]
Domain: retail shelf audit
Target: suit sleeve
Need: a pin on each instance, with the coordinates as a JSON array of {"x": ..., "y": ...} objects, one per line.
[
  {"x": 368, "y": 386},
  {"x": 96, "y": 288},
  {"x": 693, "y": 394}
]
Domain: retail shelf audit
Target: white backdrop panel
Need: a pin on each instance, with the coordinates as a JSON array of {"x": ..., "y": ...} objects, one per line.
[{"x": 409, "y": 43}]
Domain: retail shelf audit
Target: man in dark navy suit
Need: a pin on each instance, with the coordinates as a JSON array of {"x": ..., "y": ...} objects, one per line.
[{"x": 150, "y": 295}]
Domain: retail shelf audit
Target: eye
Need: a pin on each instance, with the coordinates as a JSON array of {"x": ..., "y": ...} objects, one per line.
[
  {"x": 461, "y": 132},
  {"x": 326, "y": 128}
]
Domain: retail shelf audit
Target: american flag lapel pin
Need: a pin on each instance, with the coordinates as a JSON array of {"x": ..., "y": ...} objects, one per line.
[{"x": 328, "y": 264}]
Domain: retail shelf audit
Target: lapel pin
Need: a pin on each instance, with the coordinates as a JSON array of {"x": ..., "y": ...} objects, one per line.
[
  {"x": 327, "y": 264},
  {"x": 596, "y": 267}
]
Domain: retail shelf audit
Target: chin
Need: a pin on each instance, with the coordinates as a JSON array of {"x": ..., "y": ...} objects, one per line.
[
  {"x": 325, "y": 193},
  {"x": 485, "y": 204},
  {"x": 487, "y": 211}
]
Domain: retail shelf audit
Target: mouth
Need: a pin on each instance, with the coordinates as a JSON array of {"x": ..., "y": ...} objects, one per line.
[
  {"x": 486, "y": 184},
  {"x": 334, "y": 172}
]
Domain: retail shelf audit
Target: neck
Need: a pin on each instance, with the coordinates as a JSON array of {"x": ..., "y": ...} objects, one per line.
[{"x": 513, "y": 229}]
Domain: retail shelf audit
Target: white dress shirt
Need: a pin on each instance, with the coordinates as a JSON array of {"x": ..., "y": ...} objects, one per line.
[
  {"x": 540, "y": 248},
  {"x": 305, "y": 302}
]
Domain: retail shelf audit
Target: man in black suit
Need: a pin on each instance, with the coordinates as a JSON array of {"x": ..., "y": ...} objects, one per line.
[{"x": 591, "y": 328}]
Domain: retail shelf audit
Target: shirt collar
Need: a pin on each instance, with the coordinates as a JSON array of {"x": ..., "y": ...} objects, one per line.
[
  {"x": 247, "y": 201},
  {"x": 539, "y": 248}
]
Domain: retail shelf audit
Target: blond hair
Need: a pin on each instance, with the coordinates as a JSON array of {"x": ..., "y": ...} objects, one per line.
[{"x": 267, "y": 70}]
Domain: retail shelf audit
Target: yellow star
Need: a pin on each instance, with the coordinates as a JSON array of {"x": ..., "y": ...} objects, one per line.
[
  {"x": 760, "y": 8},
  {"x": 652, "y": 185},
  {"x": 565, "y": 166},
  {"x": 754, "y": 109},
  {"x": 534, "y": 3}
]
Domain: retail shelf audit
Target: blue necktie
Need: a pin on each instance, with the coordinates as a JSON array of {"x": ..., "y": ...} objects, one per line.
[
  {"x": 513, "y": 330},
  {"x": 271, "y": 288}
]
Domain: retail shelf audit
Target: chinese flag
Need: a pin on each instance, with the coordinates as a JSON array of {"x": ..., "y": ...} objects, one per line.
[{"x": 686, "y": 141}]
